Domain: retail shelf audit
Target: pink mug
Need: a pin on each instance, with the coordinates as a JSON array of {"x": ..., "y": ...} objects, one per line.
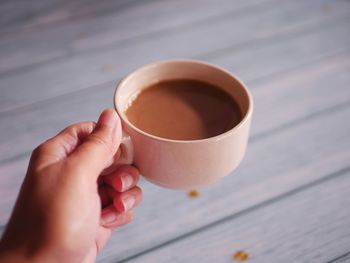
[{"x": 183, "y": 164}]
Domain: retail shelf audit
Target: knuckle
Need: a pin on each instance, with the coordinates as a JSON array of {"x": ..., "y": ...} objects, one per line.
[
  {"x": 75, "y": 128},
  {"x": 69, "y": 129},
  {"x": 39, "y": 150},
  {"x": 138, "y": 191}
]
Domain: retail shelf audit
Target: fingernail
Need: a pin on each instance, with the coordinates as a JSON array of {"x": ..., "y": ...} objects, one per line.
[
  {"x": 109, "y": 217},
  {"x": 127, "y": 181},
  {"x": 108, "y": 118},
  {"x": 128, "y": 202}
]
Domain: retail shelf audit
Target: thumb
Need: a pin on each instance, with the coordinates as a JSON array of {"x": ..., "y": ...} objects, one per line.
[{"x": 98, "y": 149}]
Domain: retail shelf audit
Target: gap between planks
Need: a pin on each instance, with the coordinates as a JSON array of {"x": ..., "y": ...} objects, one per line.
[
  {"x": 65, "y": 95},
  {"x": 248, "y": 210},
  {"x": 141, "y": 36},
  {"x": 343, "y": 258},
  {"x": 65, "y": 86},
  {"x": 110, "y": 82},
  {"x": 229, "y": 217},
  {"x": 324, "y": 115},
  {"x": 47, "y": 23},
  {"x": 277, "y": 76}
]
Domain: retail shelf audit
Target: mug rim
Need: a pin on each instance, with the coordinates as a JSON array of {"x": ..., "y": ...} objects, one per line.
[{"x": 245, "y": 118}]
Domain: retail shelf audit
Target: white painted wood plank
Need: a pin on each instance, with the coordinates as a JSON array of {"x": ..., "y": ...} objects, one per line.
[
  {"x": 309, "y": 226},
  {"x": 285, "y": 53},
  {"x": 304, "y": 91},
  {"x": 78, "y": 72},
  {"x": 23, "y": 130},
  {"x": 122, "y": 20},
  {"x": 17, "y": 15}
]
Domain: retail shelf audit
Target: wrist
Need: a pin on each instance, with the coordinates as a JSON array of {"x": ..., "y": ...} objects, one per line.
[
  {"x": 9, "y": 257},
  {"x": 18, "y": 254},
  {"x": 10, "y": 254}
]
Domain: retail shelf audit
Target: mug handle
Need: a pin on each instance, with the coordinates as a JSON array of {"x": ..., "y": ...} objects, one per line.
[{"x": 127, "y": 150}]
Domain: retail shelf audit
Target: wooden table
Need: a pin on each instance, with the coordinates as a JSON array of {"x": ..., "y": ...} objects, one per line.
[{"x": 289, "y": 201}]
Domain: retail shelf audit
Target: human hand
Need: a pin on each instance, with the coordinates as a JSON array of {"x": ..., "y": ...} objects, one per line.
[{"x": 66, "y": 209}]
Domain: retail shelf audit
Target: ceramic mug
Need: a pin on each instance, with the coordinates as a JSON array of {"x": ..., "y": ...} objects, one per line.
[{"x": 183, "y": 164}]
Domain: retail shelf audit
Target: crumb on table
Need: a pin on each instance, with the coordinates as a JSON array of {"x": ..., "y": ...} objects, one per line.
[
  {"x": 193, "y": 194},
  {"x": 240, "y": 256}
]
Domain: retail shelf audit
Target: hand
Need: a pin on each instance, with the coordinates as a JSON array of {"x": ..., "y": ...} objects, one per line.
[{"x": 66, "y": 209}]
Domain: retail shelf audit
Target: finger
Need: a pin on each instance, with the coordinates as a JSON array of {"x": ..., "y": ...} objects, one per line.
[
  {"x": 111, "y": 218},
  {"x": 127, "y": 200},
  {"x": 63, "y": 144},
  {"x": 98, "y": 150},
  {"x": 123, "y": 179}
]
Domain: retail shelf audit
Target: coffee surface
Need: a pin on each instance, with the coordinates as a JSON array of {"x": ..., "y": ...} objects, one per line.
[{"x": 183, "y": 109}]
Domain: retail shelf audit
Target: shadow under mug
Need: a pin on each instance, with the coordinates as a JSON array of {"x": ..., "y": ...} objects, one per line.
[{"x": 183, "y": 164}]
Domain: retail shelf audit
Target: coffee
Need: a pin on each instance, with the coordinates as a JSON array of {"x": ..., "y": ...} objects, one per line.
[{"x": 183, "y": 109}]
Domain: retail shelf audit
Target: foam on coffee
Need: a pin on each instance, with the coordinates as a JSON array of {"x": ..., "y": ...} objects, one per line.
[{"x": 183, "y": 109}]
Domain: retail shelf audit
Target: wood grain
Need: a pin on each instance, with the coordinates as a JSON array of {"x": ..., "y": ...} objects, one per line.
[
  {"x": 86, "y": 70},
  {"x": 309, "y": 224},
  {"x": 287, "y": 202},
  {"x": 16, "y": 15},
  {"x": 22, "y": 131},
  {"x": 136, "y": 20},
  {"x": 341, "y": 259},
  {"x": 264, "y": 59}
]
